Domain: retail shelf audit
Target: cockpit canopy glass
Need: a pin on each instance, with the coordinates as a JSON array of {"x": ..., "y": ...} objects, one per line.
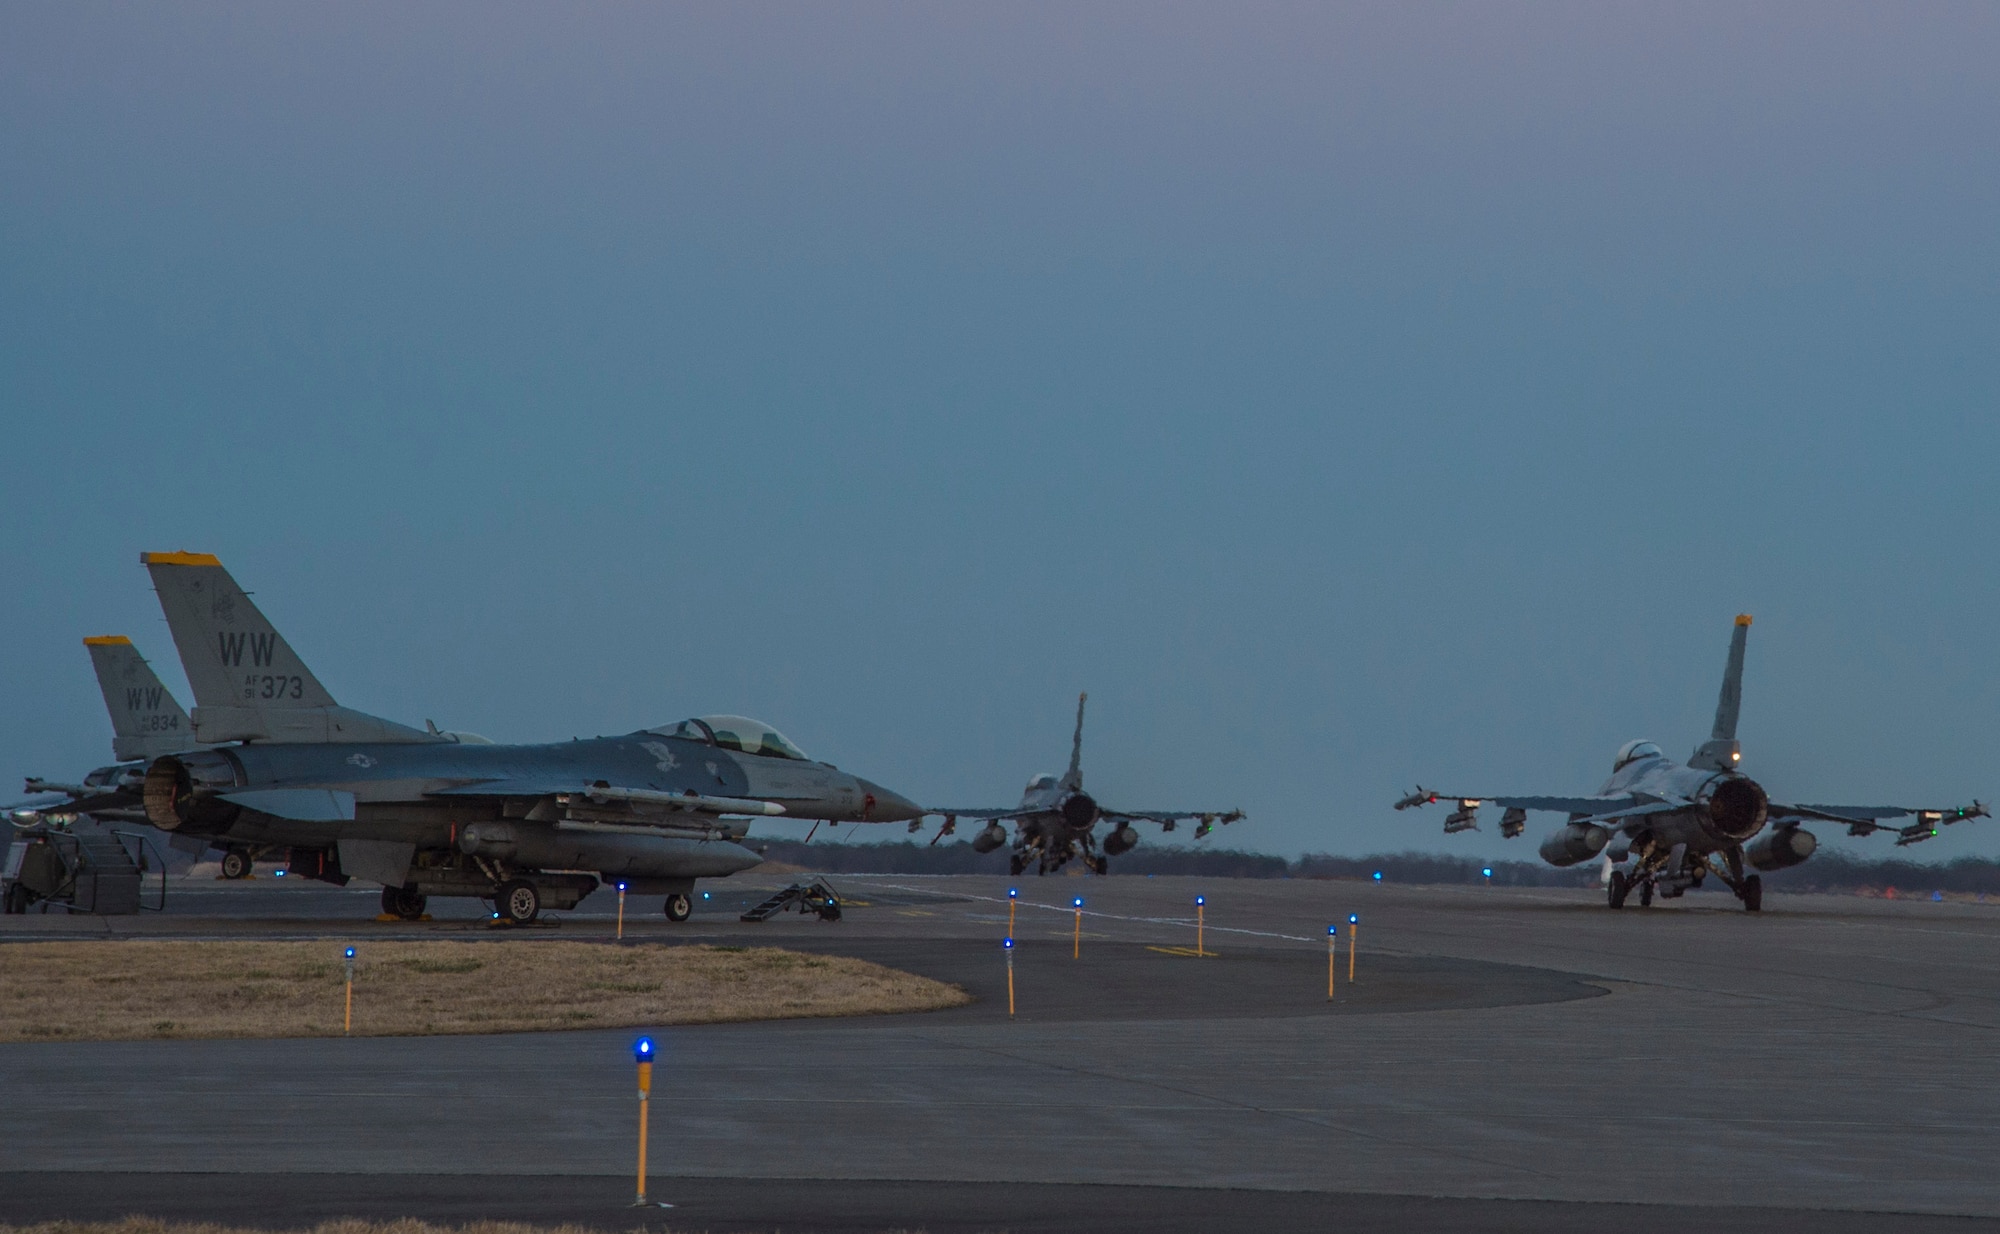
[
  {"x": 735, "y": 733},
  {"x": 1633, "y": 751}
]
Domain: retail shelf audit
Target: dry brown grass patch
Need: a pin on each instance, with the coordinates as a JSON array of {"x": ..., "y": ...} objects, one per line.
[
  {"x": 147, "y": 1225},
  {"x": 120, "y": 990}
]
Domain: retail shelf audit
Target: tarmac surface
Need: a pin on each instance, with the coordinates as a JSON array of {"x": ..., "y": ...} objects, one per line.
[{"x": 1509, "y": 1059}]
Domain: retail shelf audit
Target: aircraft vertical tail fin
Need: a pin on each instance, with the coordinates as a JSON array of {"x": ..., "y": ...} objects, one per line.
[
  {"x": 1720, "y": 752},
  {"x": 248, "y": 683},
  {"x": 1074, "y": 776},
  {"x": 146, "y": 720}
]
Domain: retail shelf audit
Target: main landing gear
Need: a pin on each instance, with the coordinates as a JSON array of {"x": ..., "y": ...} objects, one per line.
[
  {"x": 679, "y": 907},
  {"x": 517, "y": 902},
  {"x": 1647, "y": 877},
  {"x": 236, "y": 863},
  {"x": 403, "y": 903}
]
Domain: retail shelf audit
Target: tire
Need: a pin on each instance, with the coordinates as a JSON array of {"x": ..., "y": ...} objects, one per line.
[
  {"x": 679, "y": 908},
  {"x": 404, "y": 902},
  {"x": 1015, "y": 865},
  {"x": 1646, "y": 894},
  {"x": 1614, "y": 892},
  {"x": 236, "y": 863},
  {"x": 17, "y": 899},
  {"x": 517, "y": 902},
  {"x": 1753, "y": 894}
]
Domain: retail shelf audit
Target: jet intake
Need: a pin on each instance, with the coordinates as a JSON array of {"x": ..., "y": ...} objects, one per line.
[
  {"x": 993, "y": 837},
  {"x": 1738, "y": 808},
  {"x": 1574, "y": 843},
  {"x": 1122, "y": 840},
  {"x": 1785, "y": 846},
  {"x": 1079, "y": 810}
]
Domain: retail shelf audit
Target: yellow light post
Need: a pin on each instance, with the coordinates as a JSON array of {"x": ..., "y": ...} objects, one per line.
[
  {"x": 347, "y": 1017},
  {"x": 1200, "y": 910},
  {"x": 642, "y": 1051},
  {"x": 1013, "y": 898},
  {"x": 621, "y": 911},
  {"x": 1353, "y": 931},
  {"x": 1076, "y": 939},
  {"x": 1332, "y": 937},
  {"x": 1008, "y": 946}
]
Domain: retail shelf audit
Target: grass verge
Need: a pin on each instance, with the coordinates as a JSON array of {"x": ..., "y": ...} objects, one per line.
[{"x": 123, "y": 990}]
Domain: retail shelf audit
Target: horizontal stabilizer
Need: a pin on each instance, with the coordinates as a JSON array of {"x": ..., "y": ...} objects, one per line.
[{"x": 305, "y": 805}]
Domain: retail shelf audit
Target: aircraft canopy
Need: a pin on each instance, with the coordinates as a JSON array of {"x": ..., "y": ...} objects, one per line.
[{"x": 735, "y": 733}]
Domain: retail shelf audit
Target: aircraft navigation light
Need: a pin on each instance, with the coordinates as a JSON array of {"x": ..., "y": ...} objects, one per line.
[
  {"x": 642, "y": 1049},
  {"x": 1736, "y": 756}
]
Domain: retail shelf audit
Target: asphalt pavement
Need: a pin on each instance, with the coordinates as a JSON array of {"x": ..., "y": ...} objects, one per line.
[{"x": 1507, "y": 1059}]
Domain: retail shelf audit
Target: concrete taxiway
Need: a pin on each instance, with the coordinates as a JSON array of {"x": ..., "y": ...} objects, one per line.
[{"x": 1509, "y": 1059}]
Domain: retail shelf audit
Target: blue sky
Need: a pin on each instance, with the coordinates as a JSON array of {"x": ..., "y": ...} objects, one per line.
[{"x": 1344, "y": 396}]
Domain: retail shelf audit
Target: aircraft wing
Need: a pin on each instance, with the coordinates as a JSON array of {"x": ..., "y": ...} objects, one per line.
[
  {"x": 1866, "y": 820},
  {"x": 1589, "y": 807},
  {"x": 1000, "y": 815},
  {"x": 601, "y": 792},
  {"x": 1616, "y": 817},
  {"x": 1169, "y": 816}
]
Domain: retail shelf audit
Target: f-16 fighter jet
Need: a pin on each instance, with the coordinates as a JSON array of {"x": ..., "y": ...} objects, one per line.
[
  {"x": 425, "y": 812},
  {"x": 1665, "y": 826},
  {"x": 1057, "y": 820}
]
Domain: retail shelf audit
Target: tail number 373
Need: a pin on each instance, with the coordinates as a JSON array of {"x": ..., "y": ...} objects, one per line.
[{"x": 269, "y": 686}]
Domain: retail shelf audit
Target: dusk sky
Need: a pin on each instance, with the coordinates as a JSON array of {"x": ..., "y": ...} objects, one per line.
[{"x": 1347, "y": 396}]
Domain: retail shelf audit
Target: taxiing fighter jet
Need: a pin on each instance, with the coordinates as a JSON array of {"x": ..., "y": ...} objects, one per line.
[
  {"x": 1056, "y": 820},
  {"x": 425, "y": 812},
  {"x": 1667, "y": 826}
]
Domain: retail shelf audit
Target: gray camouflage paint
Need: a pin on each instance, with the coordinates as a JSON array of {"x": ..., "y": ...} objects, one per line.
[{"x": 1665, "y": 826}]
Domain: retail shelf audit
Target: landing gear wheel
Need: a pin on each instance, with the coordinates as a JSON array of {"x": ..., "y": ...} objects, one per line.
[
  {"x": 236, "y": 863},
  {"x": 517, "y": 902},
  {"x": 404, "y": 902},
  {"x": 1752, "y": 894},
  {"x": 1614, "y": 892},
  {"x": 679, "y": 908},
  {"x": 17, "y": 899},
  {"x": 1646, "y": 894},
  {"x": 1015, "y": 864},
  {"x": 1098, "y": 865}
]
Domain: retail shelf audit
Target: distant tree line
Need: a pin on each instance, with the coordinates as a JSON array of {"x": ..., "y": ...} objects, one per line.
[{"x": 1826, "y": 871}]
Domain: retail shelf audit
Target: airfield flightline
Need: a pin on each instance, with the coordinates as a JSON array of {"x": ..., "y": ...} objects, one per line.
[{"x": 1500, "y": 1035}]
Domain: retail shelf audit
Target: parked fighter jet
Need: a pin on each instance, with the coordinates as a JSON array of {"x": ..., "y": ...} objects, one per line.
[
  {"x": 1677, "y": 824},
  {"x": 425, "y": 812},
  {"x": 146, "y": 721},
  {"x": 1056, "y": 820}
]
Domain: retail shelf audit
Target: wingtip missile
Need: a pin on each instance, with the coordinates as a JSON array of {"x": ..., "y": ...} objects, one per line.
[{"x": 1421, "y": 797}]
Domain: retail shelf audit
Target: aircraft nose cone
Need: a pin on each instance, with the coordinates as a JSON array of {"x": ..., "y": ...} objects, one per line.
[{"x": 889, "y": 807}]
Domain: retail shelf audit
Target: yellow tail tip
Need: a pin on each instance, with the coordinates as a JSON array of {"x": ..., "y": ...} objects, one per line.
[
  {"x": 179, "y": 559},
  {"x": 1742, "y": 619},
  {"x": 107, "y": 640}
]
